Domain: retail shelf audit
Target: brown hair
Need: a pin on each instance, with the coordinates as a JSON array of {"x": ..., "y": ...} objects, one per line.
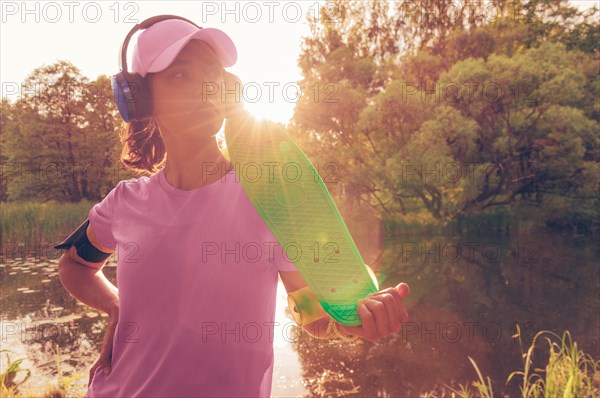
[{"x": 143, "y": 151}]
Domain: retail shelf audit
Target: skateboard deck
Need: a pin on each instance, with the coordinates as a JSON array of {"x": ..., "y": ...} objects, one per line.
[{"x": 292, "y": 199}]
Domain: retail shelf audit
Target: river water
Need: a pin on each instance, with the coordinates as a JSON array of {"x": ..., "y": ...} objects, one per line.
[{"x": 468, "y": 293}]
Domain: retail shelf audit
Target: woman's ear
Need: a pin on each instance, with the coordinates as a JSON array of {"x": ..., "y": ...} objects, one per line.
[{"x": 232, "y": 95}]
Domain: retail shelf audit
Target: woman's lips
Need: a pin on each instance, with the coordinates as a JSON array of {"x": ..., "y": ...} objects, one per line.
[
  {"x": 206, "y": 114},
  {"x": 203, "y": 110}
]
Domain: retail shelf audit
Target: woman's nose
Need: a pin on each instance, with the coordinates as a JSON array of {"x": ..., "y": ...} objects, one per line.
[{"x": 209, "y": 92}]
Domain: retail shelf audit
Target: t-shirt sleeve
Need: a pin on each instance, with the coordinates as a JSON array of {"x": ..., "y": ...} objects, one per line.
[
  {"x": 101, "y": 217},
  {"x": 282, "y": 261},
  {"x": 277, "y": 255}
]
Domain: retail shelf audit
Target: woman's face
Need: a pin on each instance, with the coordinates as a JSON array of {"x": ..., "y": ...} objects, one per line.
[{"x": 187, "y": 95}]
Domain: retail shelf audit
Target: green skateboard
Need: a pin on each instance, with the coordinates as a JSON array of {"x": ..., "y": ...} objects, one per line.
[{"x": 292, "y": 199}]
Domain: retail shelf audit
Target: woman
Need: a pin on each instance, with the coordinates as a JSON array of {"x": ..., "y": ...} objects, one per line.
[{"x": 194, "y": 312}]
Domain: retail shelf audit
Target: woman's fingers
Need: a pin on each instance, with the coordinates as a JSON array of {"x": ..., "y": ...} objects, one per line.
[
  {"x": 382, "y": 312},
  {"x": 403, "y": 289},
  {"x": 368, "y": 322},
  {"x": 379, "y": 315},
  {"x": 394, "y": 313},
  {"x": 92, "y": 370},
  {"x": 107, "y": 345},
  {"x": 386, "y": 311},
  {"x": 104, "y": 362},
  {"x": 397, "y": 305}
]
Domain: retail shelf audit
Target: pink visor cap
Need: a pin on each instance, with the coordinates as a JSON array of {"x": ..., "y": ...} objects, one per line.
[{"x": 159, "y": 45}]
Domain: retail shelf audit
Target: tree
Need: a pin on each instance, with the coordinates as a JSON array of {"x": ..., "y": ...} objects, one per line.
[
  {"x": 392, "y": 107},
  {"x": 5, "y": 121},
  {"x": 554, "y": 21},
  {"x": 496, "y": 131},
  {"x": 55, "y": 132},
  {"x": 102, "y": 145}
]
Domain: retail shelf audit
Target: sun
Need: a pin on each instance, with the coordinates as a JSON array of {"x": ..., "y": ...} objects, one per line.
[
  {"x": 268, "y": 98},
  {"x": 276, "y": 111}
]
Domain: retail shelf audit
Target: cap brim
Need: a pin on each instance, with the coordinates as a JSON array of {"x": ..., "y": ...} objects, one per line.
[{"x": 218, "y": 40}]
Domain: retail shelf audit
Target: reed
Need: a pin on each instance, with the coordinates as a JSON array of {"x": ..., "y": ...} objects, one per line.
[{"x": 569, "y": 373}]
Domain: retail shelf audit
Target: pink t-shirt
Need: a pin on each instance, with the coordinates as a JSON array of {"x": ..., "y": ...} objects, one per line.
[{"x": 197, "y": 274}]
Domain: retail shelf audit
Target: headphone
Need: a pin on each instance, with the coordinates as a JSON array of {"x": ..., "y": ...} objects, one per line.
[{"x": 131, "y": 92}]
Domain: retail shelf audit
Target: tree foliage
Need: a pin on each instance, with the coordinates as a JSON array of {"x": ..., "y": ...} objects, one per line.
[
  {"x": 441, "y": 107},
  {"x": 59, "y": 138},
  {"x": 453, "y": 108}
]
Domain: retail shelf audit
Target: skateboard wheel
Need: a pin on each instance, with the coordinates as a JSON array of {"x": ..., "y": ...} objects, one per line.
[{"x": 305, "y": 306}]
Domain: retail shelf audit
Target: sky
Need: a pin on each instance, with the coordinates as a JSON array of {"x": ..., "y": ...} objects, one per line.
[{"x": 89, "y": 34}]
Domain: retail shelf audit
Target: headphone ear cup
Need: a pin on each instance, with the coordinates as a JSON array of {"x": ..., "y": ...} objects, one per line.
[
  {"x": 120, "y": 87},
  {"x": 233, "y": 93},
  {"x": 132, "y": 96}
]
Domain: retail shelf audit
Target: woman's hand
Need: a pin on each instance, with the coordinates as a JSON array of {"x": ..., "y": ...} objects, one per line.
[
  {"x": 382, "y": 313},
  {"x": 104, "y": 360}
]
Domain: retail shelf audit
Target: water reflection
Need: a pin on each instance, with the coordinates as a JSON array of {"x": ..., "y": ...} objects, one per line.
[
  {"x": 38, "y": 315},
  {"x": 40, "y": 321},
  {"x": 468, "y": 292}
]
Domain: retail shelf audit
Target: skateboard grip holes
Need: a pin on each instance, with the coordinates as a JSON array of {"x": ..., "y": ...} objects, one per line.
[
  {"x": 355, "y": 281},
  {"x": 316, "y": 260},
  {"x": 333, "y": 290}
]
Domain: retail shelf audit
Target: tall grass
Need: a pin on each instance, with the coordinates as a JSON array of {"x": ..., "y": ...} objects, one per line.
[
  {"x": 557, "y": 213},
  {"x": 494, "y": 220},
  {"x": 31, "y": 223},
  {"x": 569, "y": 373},
  {"x": 34, "y": 224}
]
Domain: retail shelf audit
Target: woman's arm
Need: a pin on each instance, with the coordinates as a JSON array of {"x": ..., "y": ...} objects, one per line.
[
  {"x": 88, "y": 285},
  {"x": 84, "y": 281}
]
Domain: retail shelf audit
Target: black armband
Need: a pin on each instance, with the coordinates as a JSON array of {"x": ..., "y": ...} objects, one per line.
[{"x": 83, "y": 246}]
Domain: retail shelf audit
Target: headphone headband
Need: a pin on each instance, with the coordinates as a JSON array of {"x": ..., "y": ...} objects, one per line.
[
  {"x": 145, "y": 24},
  {"x": 131, "y": 92}
]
